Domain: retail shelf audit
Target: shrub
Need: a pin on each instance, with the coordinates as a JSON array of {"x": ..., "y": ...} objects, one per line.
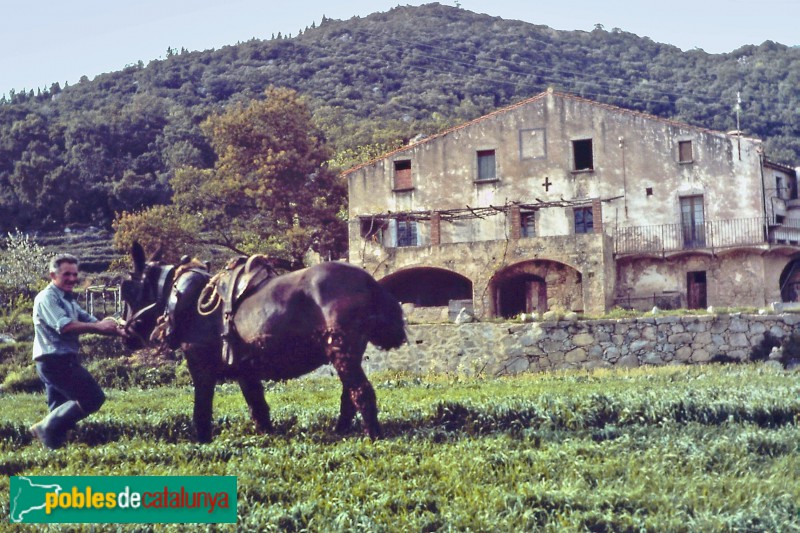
[
  {"x": 126, "y": 373},
  {"x": 16, "y": 353},
  {"x": 102, "y": 347},
  {"x": 22, "y": 380},
  {"x": 17, "y": 321}
]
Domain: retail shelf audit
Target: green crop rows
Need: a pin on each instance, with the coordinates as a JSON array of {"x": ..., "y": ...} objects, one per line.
[{"x": 670, "y": 449}]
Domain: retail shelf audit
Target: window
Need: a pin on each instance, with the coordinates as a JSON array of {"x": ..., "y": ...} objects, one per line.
[
  {"x": 779, "y": 186},
  {"x": 582, "y": 154},
  {"x": 693, "y": 222},
  {"x": 406, "y": 233},
  {"x": 584, "y": 222},
  {"x": 486, "y": 165},
  {"x": 527, "y": 223},
  {"x": 684, "y": 151},
  {"x": 372, "y": 229},
  {"x": 402, "y": 175}
]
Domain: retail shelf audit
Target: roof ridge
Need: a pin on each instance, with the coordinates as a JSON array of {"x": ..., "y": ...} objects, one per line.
[
  {"x": 445, "y": 132},
  {"x": 526, "y": 101}
]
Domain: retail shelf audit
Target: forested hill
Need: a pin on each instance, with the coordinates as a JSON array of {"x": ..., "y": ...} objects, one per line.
[{"x": 78, "y": 154}]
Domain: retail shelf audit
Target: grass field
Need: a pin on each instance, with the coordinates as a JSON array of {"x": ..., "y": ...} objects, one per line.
[{"x": 667, "y": 449}]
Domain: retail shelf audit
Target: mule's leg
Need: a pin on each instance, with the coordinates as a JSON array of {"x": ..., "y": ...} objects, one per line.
[
  {"x": 203, "y": 407},
  {"x": 347, "y": 411},
  {"x": 205, "y": 380},
  {"x": 360, "y": 390},
  {"x": 253, "y": 392}
]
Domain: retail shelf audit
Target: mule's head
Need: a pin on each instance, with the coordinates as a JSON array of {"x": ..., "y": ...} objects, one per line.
[{"x": 143, "y": 295}]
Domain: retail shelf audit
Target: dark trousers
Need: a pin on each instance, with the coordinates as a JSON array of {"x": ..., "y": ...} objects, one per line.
[{"x": 72, "y": 394}]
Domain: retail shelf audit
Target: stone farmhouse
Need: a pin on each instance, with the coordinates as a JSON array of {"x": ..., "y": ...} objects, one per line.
[{"x": 561, "y": 203}]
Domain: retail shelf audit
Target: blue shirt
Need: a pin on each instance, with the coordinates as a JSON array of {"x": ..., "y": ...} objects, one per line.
[{"x": 52, "y": 310}]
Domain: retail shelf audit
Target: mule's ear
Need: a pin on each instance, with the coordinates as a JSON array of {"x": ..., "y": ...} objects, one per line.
[
  {"x": 157, "y": 254},
  {"x": 137, "y": 255}
]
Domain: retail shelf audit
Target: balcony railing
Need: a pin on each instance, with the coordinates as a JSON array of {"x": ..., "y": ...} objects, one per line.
[{"x": 715, "y": 234}]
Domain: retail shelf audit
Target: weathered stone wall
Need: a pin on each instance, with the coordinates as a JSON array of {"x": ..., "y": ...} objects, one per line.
[
  {"x": 731, "y": 278},
  {"x": 499, "y": 348}
]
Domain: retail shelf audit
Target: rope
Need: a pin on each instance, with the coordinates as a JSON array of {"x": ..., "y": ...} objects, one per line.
[{"x": 209, "y": 299}]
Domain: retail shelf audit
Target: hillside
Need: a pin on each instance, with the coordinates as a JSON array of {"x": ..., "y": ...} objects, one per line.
[{"x": 82, "y": 153}]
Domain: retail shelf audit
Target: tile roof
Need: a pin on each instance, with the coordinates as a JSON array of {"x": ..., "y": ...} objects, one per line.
[{"x": 523, "y": 103}]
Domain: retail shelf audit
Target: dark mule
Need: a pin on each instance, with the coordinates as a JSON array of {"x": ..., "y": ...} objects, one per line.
[{"x": 286, "y": 327}]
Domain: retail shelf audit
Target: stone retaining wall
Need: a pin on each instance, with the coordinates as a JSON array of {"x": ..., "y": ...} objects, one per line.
[{"x": 508, "y": 348}]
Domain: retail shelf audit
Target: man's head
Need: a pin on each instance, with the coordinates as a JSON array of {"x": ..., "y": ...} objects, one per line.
[{"x": 64, "y": 271}]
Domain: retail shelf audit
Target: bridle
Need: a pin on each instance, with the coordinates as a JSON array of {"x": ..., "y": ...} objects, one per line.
[{"x": 165, "y": 282}]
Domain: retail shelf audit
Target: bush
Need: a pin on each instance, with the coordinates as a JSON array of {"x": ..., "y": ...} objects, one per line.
[
  {"x": 16, "y": 319},
  {"x": 16, "y": 353},
  {"x": 102, "y": 347},
  {"x": 183, "y": 378},
  {"x": 126, "y": 373},
  {"x": 22, "y": 380}
]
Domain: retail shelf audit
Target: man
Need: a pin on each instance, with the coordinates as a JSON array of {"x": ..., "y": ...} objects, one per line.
[{"x": 58, "y": 320}]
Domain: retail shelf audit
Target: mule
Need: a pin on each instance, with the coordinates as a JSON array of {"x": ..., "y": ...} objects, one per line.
[{"x": 286, "y": 327}]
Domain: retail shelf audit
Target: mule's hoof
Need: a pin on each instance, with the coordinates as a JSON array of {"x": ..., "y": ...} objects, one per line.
[{"x": 343, "y": 428}]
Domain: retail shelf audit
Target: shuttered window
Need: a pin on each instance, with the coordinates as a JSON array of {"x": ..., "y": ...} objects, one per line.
[
  {"x": 685, "y": 151},
  {"x": 486, "y": 165}
]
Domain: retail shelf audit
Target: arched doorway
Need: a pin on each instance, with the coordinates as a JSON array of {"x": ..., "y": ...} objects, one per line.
[
  {"x": 790, "y": 282},
  {"x": 428, "y": 287},
  {"x": 526, "y": 293},
  {"x": 536, "y": 286}
]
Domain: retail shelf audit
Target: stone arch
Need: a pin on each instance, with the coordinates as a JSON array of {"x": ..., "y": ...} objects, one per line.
[
  {"x": 428, "y": 286},
  {"x": 536, "y": 286},
  {"x": 790, "y": 281}
]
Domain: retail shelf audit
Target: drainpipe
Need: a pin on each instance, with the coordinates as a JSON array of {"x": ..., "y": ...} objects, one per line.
[
  {"x": 624, "y": 178},
  {"x": 761, "y": 159}
]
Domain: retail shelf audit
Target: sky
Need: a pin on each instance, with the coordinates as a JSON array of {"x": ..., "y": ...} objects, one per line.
[{"x": 49, "y": 41}]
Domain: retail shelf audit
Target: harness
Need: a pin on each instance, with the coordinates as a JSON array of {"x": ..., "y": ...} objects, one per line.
[
  {"x": 171, "y": 299},
  {"x": 241, "y": 277}
]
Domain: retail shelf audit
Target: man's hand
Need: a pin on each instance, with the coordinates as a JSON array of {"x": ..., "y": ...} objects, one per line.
[
  {"x": 111, "y": 326},
  {"x": 107, "y": 326}
]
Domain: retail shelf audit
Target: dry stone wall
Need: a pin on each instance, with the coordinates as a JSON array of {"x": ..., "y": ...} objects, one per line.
[{"x": 509, "y": 348}]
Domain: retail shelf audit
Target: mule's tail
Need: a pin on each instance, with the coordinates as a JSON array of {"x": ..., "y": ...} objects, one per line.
[{"x": 387, "y": 327}]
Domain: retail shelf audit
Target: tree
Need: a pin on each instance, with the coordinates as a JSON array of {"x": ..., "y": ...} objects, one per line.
[
  {"x": 163, "y": 227},
  {"x": 23, "y": 267},
  {"x": 270, "y": 190}
]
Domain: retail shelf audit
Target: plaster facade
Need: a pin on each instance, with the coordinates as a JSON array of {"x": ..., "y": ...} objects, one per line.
[{"x": 558, "y": 202}]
